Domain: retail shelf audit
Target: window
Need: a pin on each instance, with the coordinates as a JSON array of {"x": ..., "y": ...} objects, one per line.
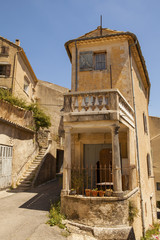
[
  {"x": 5, "y": 70},
  {"x": 149, "y": 165},
  {"x": 92, "y": 61},
  {"x": 26, "y": 86},
  {"x": 100, "y": 61},
  {"x": 5, "y": 50},
  {"x": 5, "y": 160},
  {"x": 145, "y": 123},
  {"x": 158, "y": 186}
]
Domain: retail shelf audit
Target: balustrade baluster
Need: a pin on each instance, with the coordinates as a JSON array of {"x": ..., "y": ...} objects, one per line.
[
  {"x": 76, "y": 105},
  {"x": 96, "y": 104},
  {"x": 83, "y": 105},
  {"x": 90, "y": 104},
  {"x": 103, "y": 103}
]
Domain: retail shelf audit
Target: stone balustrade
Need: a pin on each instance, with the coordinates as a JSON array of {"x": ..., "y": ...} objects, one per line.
[{"x": 98, "y": 102}]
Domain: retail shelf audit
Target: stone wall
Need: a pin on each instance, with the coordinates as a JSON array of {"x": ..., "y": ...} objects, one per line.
[
  {"x": 47, "y": 171},
  {"x": 24, "y": 146},
  {"x": 154, "y": 124},
  {"x": 16, "y": 114},
  {"x": 116, "y": 57},
  {"x": 95, "y": 211}
]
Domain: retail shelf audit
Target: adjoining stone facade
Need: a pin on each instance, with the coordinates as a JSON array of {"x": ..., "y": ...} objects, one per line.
[
  {"x": 17, "y": 75},
  {"x": 15, "y": 134},
  {"x": 108, "y": 74},
  {"x": 154, "y": 125}
]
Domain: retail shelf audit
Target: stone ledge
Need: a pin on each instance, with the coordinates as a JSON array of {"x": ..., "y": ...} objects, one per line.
[{"x": 104, "y": 233}]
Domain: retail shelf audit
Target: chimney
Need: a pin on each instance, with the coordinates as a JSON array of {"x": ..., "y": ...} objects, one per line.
[{"x": 17, "y": 42}]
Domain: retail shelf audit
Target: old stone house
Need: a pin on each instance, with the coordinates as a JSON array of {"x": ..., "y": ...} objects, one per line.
[
  {"x": 107, "y": 139},
  {"x": 154, "y": 124},
  {"x": 16, "y": 137},
  {"x": 16, "y": 73}
]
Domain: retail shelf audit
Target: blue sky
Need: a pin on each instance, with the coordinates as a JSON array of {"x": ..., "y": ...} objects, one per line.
[{"x": 43, "y": 26}]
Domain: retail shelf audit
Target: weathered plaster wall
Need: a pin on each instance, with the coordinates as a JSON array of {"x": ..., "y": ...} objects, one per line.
[
  {"x": 100, "y": 211},
  {"x": 7, "y": 81},
  {"x": 47, "y": 171},
  {"x": 50, "y": 98},
  {"x": 21, "y": 73},
  {"x": 154, "y": 124},
  {"x": 148, "y": 188},
  {"x": 16, "y": 114},
  {"x": 117, "y": 57},
  {"x": 24, "y": 147}
]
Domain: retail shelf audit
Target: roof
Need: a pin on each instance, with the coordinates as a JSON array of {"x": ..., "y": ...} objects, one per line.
[
  {"x": 23, "y": 54},
  {"x": 2, "y": 119},
  {"x": 101, "y": 33}
]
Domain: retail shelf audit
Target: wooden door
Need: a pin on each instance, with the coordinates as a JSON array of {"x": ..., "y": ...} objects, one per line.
[{"x": 105, "y": 162}]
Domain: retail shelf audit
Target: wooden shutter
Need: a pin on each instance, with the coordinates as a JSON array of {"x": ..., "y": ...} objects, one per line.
[
  {"x": 86, "y": 61},
  {"x": 145, "y": 123},
  {"x": 149, "y": 164},
  {"x": 8, "y": 70},
  {"x": 4, "y": 50}
]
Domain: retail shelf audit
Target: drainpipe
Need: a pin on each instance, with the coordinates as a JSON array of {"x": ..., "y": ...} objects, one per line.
[
  {"x": 137, "y": 145},
  {"x": 13, "y": 72},
  {"x": 76, "y": 65},
  {"x": 14, "y": 68}
]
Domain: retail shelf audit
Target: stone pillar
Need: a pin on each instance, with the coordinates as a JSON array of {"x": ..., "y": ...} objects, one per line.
[
  {"x": 67, "y": 162},
  {"x": 133, "y": 183},
  {"x": 117, "y": 176}
]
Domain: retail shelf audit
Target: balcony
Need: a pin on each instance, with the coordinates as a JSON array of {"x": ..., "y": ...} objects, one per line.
[{"x": 108, "y": 103}]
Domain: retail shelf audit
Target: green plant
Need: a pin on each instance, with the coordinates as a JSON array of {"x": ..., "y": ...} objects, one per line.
[
  {"x": 153, "y": 232},
  {"x": 133, "y": 212},
  {"x": 55, "y": 216},
  {"x": 40, "y": 118},
  {"x": 77, "y": 181}
]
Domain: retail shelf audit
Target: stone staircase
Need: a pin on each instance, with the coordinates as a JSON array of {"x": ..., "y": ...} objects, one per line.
[{"x": 27, "y": 178}]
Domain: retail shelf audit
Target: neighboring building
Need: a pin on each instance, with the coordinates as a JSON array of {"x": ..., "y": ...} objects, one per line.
[
  {"x": 100, "y": 133},
  {"x": 154, "y": 124},
  {"x": 18, "y": 146},
  {"x": 16, "y": 73},
  {"x": 50, "y": 98}
]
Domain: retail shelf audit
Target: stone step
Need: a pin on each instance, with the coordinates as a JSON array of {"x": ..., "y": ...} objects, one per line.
[
  {"x": 26, "y": 181},
  {"x": 25, "y": 185}
]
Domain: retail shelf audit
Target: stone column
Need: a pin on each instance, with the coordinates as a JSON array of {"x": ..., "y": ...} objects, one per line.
[
  {"x": 133, "y": 183},
  {"x": 67, "y": 162},
  {"x": 117, "y": 176}
]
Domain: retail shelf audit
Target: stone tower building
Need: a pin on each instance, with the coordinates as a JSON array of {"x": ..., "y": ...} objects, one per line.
[{"x": 107, "y": 139}]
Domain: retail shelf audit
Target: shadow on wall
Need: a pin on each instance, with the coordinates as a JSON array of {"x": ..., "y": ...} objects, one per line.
[{"x": 47, "y": 171}]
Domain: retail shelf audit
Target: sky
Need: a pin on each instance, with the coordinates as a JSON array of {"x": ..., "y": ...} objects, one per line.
[{"x": 43, "y": 26}]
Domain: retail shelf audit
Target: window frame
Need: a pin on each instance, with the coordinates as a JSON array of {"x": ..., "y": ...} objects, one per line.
[
  {"x": 26, "y": 90},
  {"x": 4, "y": 51},
  {"x": 6, "y": 71},
  {"x": 145, "y": 123},
  {"x": 149, "y": 170},
  {"x": 104, "y": 53},
  {"x": 158, "y": 186}
]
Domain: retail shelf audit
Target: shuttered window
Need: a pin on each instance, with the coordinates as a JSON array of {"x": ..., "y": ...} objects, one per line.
[
  {"x": 145, "y": 123},
  {"x": 5, "y": 70},
  {"x": 5, "y": 50},
  {"x": 100, "y": 61},
  {"x": 158, "y": 186},
  {"x": 149, "y": 165}
]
